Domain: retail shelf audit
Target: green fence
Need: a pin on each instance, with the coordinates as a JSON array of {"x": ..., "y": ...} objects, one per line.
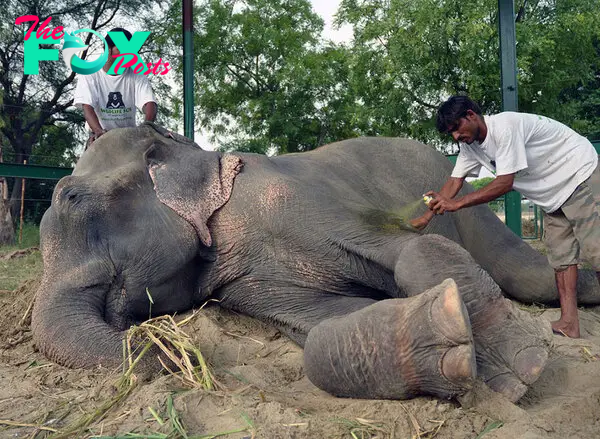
[{"x": 33, "y": 171}]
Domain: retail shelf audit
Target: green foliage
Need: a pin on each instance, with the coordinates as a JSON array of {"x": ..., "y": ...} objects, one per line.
[
  {"x": 416, "y": 53},
  {"x": 481, "y": 182},
  {"x": 257, "y": 66},
  {"x": 496, "y": 205},
  {"x": 264, "y": 82}
]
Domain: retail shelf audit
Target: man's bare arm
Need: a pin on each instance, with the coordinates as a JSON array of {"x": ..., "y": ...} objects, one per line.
[
  {"x": 499, "y": 186},
  {"x": 452, "y": 186},
  {"x": 92, "y": 119},
  {"x": 496, "y": 188},
  {"x": 150, "y": 109}
]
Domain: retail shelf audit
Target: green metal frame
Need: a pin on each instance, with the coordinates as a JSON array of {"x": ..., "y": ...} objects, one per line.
[
  {"x": 188, "y": 69},
  {"x": 510, "y": 95},
  {"x": 33, "y": 171}
]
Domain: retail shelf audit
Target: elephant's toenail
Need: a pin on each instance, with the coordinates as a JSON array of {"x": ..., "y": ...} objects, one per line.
[
  {"x": 530, "y": 362},
  {"x": 458, "y": 365},
  {"x": 508, "y": 385},
  {"x": 449, "y": 314}
]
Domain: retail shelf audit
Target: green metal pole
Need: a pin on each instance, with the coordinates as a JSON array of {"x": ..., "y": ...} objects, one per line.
[
  {"x": 188, "y": 69},
  {"x": 536, "y": 219},
  {"x": 508, "y": 65}
]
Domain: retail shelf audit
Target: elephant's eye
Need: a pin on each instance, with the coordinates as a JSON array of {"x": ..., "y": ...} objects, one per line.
[{"x": 71, "y": 195}]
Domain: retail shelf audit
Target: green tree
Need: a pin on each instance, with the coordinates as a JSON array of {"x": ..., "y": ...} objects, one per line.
[
  {"x": 495, "y": 205},
  {"x": 263, "y": 79},
  {"x": 410, "y": 55},
  {"x": 481, "y": 182}
]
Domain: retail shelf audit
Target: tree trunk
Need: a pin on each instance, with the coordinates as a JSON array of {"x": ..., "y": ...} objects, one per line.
[
  {"x": 7, "y": 232},
  {"x": 15, "y": 199},
  {"x": 22, "y": 152}
]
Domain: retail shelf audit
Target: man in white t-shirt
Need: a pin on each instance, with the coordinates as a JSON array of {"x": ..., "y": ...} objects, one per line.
[
  {"x": 109, "y": 101},
  {"x": 546, "y": 161}
]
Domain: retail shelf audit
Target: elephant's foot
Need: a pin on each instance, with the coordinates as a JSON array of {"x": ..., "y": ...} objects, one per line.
[
  {"x": 396, "y": 348},
  {"x": 512, "y": 347}
]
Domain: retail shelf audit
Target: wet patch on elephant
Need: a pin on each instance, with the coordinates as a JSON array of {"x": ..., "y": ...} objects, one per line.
[{"x": 387, "y": 222}]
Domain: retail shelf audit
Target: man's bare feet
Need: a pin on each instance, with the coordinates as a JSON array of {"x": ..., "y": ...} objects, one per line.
[
  {"x": 566, "y": 282},
  {"x": 568, "y": 329}
]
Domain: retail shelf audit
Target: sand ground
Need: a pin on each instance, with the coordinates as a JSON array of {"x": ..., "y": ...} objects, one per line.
[{"x": 265, "y": 393}]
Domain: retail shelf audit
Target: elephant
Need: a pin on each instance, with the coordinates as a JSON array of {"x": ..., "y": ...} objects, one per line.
[{"x": 307, "y": 242}]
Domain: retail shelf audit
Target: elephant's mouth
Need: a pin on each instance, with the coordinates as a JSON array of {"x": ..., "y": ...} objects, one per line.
[
  {"x": 134, "y": 299},
  {"x": 115, "y": 311}
]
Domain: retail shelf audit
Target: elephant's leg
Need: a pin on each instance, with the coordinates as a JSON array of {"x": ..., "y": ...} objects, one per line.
[
  {"x": 511, "y": 345},
  {"x": 396, "y": 348}
]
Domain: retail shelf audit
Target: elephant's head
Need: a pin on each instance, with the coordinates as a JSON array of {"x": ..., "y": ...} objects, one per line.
[{"x": 132, "y": 218}]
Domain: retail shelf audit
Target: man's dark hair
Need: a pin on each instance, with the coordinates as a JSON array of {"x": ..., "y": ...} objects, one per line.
[
  {"x": 452, "y": 110},
  {"x": 109, "y": 40}
]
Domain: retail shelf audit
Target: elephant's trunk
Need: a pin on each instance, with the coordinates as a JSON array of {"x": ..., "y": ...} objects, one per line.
[
  {"x": 520, "y": 270},
  {"x": 68, "y": 319}
]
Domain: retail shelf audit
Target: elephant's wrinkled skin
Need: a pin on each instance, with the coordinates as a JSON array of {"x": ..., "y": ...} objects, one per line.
[{"x": 298, "y": 241}]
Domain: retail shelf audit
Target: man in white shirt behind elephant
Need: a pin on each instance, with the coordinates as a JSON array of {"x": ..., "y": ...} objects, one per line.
[
  {"x": 109, "y": 101},
  {"x": 546, "y": 161}
]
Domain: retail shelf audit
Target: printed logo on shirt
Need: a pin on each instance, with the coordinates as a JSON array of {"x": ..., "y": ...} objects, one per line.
[
  {"x": 115, "y": 100},
  {"x": 116, "y": 113},
  {"x": 73, "y": 45}
]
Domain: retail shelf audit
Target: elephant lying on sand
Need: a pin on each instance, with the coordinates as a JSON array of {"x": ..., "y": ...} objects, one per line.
[{"x": 303, "y": 242}]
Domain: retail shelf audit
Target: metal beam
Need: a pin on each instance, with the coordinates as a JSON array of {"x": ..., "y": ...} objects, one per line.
[
  {"x": 33, "y": 171},
  {"x": 508, "y": 55},
  {"x": 188, "y": 69},
  {"x": 510, "y": 99}
]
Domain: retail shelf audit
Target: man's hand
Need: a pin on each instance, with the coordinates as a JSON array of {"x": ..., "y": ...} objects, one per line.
[
  {"x": 441, "y": 204},
  {"x": 150, "y": 109},
  {"x": 98, "y": 133},
  {"x": 420, "y": 223}
]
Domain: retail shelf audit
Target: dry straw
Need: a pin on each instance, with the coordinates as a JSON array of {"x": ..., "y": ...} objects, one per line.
[{"x": 186, "y": 363}]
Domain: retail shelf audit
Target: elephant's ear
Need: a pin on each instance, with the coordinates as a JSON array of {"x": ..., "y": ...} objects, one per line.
[{"x": 192, "y": 182}]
